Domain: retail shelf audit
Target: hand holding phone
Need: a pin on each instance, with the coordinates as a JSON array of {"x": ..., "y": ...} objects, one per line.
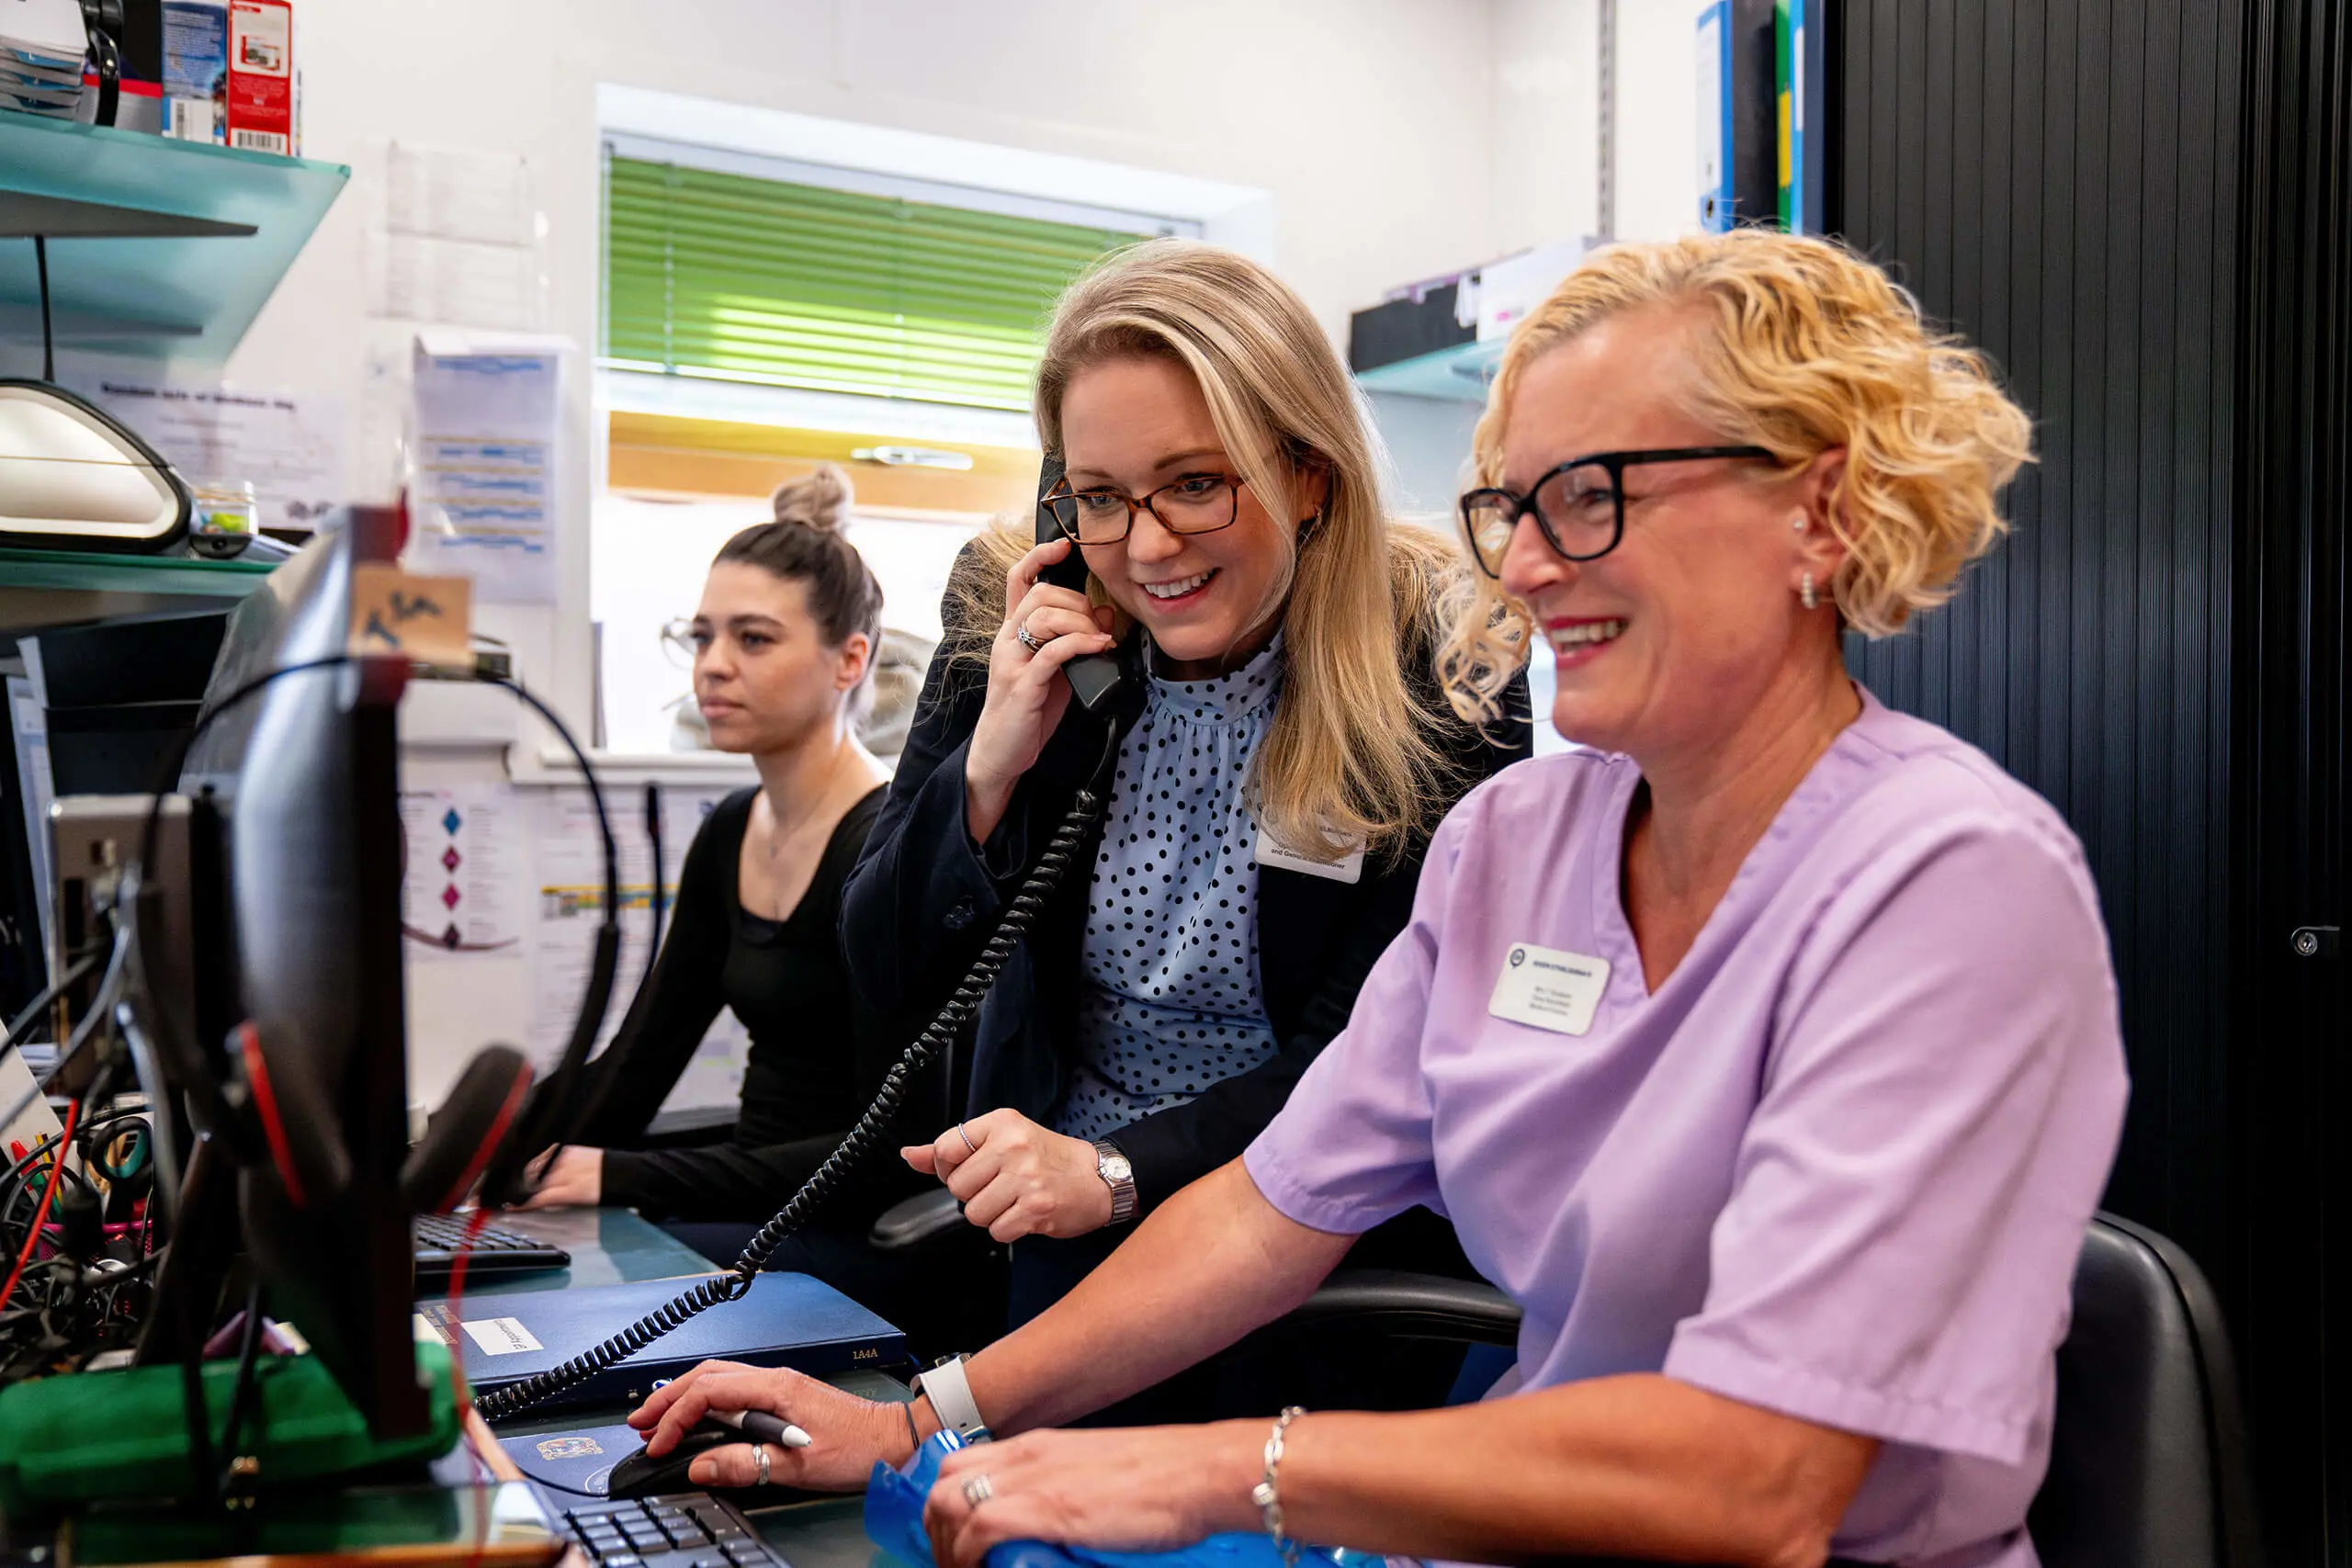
[
  {"x": 1093, "y": 677},
  {"x": 1052, "y": 645}
]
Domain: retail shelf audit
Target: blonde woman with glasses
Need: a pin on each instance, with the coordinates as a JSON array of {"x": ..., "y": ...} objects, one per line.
[
  {"x": 1764, "y": 1050},
  {"x": 1282, "y": 753}
]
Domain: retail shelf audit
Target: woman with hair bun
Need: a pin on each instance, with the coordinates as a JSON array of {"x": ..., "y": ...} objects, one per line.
[
  {"x": 1764, "y": 1049},
  {"x": 784, "y": 643}
]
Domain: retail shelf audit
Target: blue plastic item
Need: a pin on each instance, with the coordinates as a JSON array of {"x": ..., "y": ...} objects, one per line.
[{"x": 893, "y": 1500}]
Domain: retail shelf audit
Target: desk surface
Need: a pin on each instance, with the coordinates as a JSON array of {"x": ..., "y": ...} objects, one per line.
[
  {"x": 608, "y": 1246},
  {"x": 611, "y": 1246}
]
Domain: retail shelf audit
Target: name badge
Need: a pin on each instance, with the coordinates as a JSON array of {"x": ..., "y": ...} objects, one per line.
[
  {"x": 1349, "y": 868},
  {"x": 1548, "y": 989}
]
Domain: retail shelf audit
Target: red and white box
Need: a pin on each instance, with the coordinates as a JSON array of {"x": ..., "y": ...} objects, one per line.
[{"x": 260, "y": 76}]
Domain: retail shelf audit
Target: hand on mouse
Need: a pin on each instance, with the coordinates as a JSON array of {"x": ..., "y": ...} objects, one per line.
[
  {"x": 1018, "y": 1178},
  {"x": 846, "y": 1434}
]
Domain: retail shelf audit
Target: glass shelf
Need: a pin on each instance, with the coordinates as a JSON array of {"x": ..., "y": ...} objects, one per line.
[
  {"x": 1460, "y": 373},
  {"x": 96, "y": 572},
  {"x": 188, "y": 296},
  {"x": 57, "y": 588}
]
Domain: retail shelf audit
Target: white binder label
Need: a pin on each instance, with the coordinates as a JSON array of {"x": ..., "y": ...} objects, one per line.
[{"x": 502, "y": 1335}]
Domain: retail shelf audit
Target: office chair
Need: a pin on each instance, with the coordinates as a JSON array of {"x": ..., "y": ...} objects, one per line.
[{"x": 2148, "y": 1457}]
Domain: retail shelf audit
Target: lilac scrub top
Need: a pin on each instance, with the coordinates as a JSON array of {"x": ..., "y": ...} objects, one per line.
[{"x": 1838, "y": 1166}]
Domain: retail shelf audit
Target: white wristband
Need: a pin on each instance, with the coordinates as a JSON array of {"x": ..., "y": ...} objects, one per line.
[{"x": 950, "y": 1392}]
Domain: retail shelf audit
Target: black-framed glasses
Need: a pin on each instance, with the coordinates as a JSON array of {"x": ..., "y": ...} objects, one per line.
[
  {"x": 1197, "y": 503},
  {"x": 1580, "y": 505}
]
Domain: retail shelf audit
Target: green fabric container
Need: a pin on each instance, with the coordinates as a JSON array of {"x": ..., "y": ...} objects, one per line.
[{"x": 94, "y": 1436}]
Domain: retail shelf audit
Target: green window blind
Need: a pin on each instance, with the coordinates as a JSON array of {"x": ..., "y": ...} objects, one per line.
[{"x": 799, "y": 286}]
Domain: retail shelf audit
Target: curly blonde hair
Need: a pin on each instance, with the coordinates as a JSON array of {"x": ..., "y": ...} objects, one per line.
[{"x": 1801, "y": 346}]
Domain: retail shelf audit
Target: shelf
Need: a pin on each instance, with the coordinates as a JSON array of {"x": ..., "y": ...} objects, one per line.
[
  {"x": 231, "y": 223},
  {"x": 1460, "y": 373},
  {"x": 47, "y": 588}
]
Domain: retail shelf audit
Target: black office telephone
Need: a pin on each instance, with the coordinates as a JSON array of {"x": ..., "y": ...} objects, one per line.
[{"x": 1094, "y": 680}]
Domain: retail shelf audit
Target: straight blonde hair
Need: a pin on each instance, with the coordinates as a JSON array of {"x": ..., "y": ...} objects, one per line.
[{"x": 1349, "y": 757}]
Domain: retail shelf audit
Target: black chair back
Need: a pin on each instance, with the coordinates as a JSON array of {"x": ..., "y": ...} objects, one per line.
[{"x": 2147, "y": 1458}]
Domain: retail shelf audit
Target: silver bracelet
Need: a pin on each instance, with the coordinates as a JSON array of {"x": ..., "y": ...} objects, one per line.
[{"x": 1269, "y": 1501}]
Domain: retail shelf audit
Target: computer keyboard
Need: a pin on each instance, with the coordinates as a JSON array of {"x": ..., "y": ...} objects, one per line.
[
  {"x": 439, "y": 1237},
  {"x": 681, "y": 1529}
]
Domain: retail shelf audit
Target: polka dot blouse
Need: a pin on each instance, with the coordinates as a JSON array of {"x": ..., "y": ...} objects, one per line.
[{"x": 1172, "y": 1002}]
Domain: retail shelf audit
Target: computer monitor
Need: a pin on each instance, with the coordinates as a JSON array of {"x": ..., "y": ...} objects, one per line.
[{"x": 305, "y": 776}]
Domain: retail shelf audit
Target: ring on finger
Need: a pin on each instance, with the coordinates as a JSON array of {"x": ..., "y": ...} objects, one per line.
[
  {"x": 1021, "y": 635},
  {"x": 978, "y": 1489},
  {"x": 760, "y": 1457},
  {"x": 973, "y": 1147}
]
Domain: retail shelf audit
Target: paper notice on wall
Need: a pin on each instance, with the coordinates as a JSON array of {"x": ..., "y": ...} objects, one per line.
[
  {"x": 414, "y": 277},
  {"x": 463, "y": 880},
  {"x": 457, "y": 240},
  {"x": 452, "y": 194},
  {"x": 571, "y": 908},
  {"x": 292, "y": 448},
  {"x": 484, "y": 471}
]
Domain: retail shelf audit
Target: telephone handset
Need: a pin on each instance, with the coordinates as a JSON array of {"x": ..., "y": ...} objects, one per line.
[{"x": 1094, "y": 678}]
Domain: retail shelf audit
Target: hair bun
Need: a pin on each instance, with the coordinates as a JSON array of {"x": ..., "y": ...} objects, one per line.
[{"x": 820, "y": 499}]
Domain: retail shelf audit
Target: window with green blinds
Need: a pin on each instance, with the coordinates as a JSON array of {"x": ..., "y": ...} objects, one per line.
[{"x": 761, "y": 280}]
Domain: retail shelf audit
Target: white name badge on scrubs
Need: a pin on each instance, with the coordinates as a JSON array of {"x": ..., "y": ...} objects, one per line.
[
  {"x": 1348, "y": 868},
  {"x": 1549, "y": 988}
]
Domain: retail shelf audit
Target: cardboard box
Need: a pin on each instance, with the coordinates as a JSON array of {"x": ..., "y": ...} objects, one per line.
[{"x": 260, "y": 76}]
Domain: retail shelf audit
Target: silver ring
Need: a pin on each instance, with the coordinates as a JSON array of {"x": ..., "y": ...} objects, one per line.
[
  {"x": 966, "y": 1137},
  {"x": 760, "y": 1453},
  {"x": 1021, "y": 635},
  {"x": 978, "y": 1490}
]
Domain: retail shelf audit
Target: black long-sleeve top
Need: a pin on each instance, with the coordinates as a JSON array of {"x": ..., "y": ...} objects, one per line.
[
  {"x": 925, "y": 898},
  {"x": 816, "y": 1058}
]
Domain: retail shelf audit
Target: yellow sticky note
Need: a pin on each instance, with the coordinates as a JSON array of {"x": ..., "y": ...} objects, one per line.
[{"x": 429, "y": 619}]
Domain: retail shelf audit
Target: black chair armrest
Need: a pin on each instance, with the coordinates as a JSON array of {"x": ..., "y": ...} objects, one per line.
[
  {"x": 916, "y": 1220},
  {"x": 1418, "y": 1306}
]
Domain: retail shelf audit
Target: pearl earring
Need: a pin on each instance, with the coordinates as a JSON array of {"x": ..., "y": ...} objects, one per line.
[
  {"x": 1805, "y": 595},
  {"x": 1797, "y": 521}
]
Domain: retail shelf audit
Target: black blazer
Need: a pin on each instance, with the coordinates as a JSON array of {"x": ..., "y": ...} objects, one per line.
[{"x": 925, "y": 899}]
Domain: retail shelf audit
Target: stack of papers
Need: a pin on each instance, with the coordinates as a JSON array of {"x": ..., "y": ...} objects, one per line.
[{"x": 41, "y": 46}]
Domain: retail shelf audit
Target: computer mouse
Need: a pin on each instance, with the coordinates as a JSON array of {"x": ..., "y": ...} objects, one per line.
[{"x": 642, "y": 1475}]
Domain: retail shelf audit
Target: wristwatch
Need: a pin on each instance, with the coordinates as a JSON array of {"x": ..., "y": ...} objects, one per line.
[{"x": 1120, "y": 1178}]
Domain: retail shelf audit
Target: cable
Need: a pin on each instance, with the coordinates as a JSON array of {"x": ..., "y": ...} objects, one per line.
[
  {"x": 23, "y": 1026},
  {"x": 240, "y": 1392},
  {"x": 653, "y": 844},
  {"x": 84, "y": 1032},
  {"x": 558, "y": 1112},
  {"x": 935, "y": 1038},
  {"x": 562, "y": 1105},
  {"x": 40, "y": 1217}
]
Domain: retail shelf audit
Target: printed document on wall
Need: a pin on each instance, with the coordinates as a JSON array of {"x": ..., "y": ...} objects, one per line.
[
  {"x": 483, "y": 469},
  {"x": 462, "y": 886},
  {"x": 290, "y": 445},
  {"x": 571, "y": 907}
]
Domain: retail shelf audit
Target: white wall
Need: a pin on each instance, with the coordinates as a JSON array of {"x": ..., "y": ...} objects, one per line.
[
  {"x": 1547, "y": 123},
  {"x": 1657, "y": 119},
  {"x": 1333, "y": 106},
  {"x": 1399, "y": 139}
]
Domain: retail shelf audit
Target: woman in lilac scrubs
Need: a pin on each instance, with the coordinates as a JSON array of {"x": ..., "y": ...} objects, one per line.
[{"x": 1764, "y": 1049}]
